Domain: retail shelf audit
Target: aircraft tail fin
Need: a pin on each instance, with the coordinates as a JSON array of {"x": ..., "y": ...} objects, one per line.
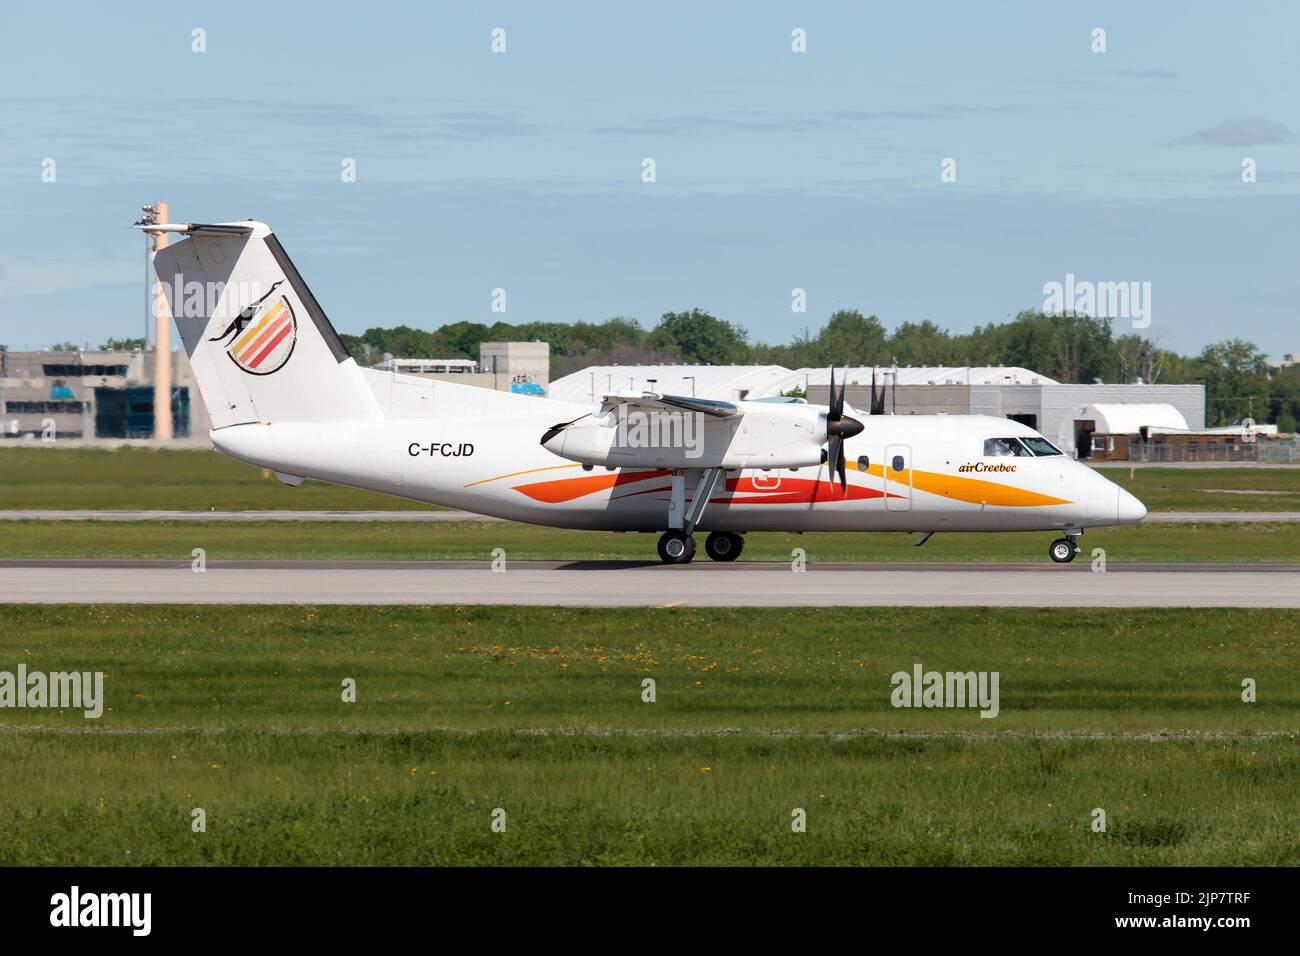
[{"x": 261, "y": 347}]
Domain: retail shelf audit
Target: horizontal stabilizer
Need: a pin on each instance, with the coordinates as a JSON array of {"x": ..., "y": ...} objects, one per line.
[{"x": 199, "y": 228}]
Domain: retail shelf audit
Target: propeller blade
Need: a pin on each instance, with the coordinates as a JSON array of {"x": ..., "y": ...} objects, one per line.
[
  {"x": 836, "y": 400},
  {"x": 842, "y": 466},
  {"x": 833, "y": 458}
]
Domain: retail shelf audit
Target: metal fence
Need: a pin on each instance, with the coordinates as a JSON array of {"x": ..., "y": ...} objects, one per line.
[{"x": 1281, "y": 451}]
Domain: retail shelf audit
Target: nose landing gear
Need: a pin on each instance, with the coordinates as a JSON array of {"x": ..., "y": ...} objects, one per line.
[{"x": 1063, "y": 550}]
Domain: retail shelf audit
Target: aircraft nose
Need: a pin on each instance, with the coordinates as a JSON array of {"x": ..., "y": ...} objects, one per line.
[{"x": 1128, "y": 509}]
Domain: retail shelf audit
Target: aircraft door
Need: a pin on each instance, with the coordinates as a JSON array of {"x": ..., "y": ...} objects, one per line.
[{"x": 898, "y": 477}]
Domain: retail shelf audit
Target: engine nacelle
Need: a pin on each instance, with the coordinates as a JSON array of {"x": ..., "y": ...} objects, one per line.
[{"x": 762, "y": 435}]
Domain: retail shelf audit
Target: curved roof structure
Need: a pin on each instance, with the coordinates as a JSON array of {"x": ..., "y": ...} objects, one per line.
[
  {"x": 1119, "y": 419},
  {"x": 728, "y": 382},
  {"x": 913, "y": 375},
  {"x": 724, "y": 382}
]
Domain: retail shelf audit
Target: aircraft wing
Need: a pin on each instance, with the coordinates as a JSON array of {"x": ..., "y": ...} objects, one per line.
[{"x": 655, "y": 402}]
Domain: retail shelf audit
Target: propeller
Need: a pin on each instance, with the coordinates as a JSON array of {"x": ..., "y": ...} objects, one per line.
[
  {"x": 839, "y": 428},
  {"x": 877, "y": 401}
]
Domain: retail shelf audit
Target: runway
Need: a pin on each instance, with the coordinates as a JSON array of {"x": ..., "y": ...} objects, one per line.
[
  {"x": 640, "y": 584},
  {"x": 1158, "y": 517}
]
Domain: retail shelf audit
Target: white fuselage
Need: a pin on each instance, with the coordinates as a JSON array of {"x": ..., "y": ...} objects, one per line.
[{"x": 906, "y": 473}]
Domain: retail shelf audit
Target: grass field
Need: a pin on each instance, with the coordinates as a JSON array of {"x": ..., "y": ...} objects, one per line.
[
  {"x": 184, "y": 480},
  {"x": 194, "y": 480},
  {"x": 539, "y": 712},
  {"x": 1212, "y": 489},
  {"x": 472, "y": 540}
]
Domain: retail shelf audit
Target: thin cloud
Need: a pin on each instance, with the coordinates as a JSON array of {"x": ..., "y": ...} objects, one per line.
[{"x": 1243, "y": 131}]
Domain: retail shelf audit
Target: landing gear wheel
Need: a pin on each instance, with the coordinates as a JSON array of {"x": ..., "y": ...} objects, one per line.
[
  {"x": 1062, "y": 550},
  {"x": 676, "y": 547},
  {"x": 724, "y": 545}
]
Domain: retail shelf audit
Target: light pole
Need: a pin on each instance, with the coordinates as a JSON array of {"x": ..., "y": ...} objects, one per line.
[
  {"x": 149, "y": 218},
  {"x": 162, "y": 351}
]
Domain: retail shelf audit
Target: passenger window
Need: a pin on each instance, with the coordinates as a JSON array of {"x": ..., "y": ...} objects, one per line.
[
  {"x": 863, "y": 463},
  {"x": 897, "y": 463},
  {"x": 1005, "y": 448}
]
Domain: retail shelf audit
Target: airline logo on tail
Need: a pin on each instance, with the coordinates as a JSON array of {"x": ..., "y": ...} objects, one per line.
[{"x": 261, "y": 342}]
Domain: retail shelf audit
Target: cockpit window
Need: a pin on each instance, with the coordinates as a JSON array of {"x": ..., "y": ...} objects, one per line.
[
  {"x": 1041, "y": 447},
  {"x": 1004, "y": 448}
]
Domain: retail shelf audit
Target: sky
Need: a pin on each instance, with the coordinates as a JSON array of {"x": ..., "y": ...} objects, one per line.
[{"x": 774, "y": 170}]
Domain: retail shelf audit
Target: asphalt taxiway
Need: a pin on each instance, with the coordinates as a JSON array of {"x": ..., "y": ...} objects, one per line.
[{"x": 643, "y": 584}]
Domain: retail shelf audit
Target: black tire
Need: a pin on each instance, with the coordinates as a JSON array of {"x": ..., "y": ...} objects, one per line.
[
  {"x": 1062, "y": 551},
  {"x": 724, "y": 545},
  {"x": 676, "y": 547}
]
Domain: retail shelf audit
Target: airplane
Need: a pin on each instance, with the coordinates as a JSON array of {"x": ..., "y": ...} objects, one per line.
[{"x": 283, "y": 393}]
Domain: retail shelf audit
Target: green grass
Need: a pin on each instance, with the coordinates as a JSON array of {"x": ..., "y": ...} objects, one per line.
[
  {"x": 1211, "y": 489},
  {"x": 539, "y": 712},
  {"x": 195, "y": 480},
  {"x": 128, "y": 478},
  {"x": 473, "y": 540}
]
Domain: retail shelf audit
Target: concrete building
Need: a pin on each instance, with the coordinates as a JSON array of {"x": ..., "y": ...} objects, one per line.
[
  {"x": 521, "y": 367},
  {"x": 92, "y": 394}
]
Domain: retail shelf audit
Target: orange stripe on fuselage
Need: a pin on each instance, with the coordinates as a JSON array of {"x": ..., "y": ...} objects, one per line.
[
  {"x": 567, "y": 489},
  {"x": 975, "y": 491}
]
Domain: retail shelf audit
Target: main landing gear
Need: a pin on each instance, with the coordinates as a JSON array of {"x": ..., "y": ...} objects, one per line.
[
  {"x": 678, "y": 547},
  {"x": 1063, "y": 550}
]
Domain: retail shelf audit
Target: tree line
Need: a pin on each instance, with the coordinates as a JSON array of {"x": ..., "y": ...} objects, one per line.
[{"x": 1069, "y": 348}]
